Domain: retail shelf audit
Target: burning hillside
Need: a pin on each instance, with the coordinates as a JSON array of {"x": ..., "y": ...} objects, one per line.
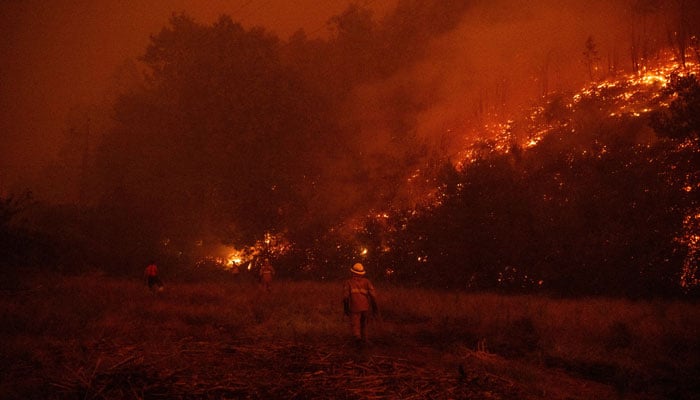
[
  {"x": 618, "y": 97},
  {"x": 424, "y": 163},
  {"x": 606, "y": 124}
]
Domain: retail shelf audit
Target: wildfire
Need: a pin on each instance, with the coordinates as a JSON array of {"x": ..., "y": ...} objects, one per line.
[
  {"x": 230, "y": 258},
  {"x": 630, "y": 95},
  {"x": 691, "y": 239},
  {"x": 234, "y": 259},
  {"x": 624, "y": 96}
]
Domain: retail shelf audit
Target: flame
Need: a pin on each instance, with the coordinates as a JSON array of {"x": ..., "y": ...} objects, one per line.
[
  {"x": 691, "y": 239},
  {"x": 631, "y": 94},
  {"x": 230, "y": 258}
]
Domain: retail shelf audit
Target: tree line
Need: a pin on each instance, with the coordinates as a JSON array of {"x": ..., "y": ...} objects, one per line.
[
  {"x": 229, "y": 133},
  {"x": 590, "y": 213}
]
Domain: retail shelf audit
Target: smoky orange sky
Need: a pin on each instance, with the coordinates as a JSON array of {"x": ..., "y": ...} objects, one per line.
[{"x": 59, "y": 55}]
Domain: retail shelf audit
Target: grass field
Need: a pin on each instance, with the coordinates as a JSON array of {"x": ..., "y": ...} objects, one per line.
[{"x": 100, "y": 337}]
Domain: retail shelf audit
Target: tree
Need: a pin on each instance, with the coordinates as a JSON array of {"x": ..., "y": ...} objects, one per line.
[
  {"x": 681, "y": 120},
  {"x": 683, "y": 18},
  {"x": 645, "y": 21},
  {"x": 20, "y": 245},
  {"x": 215, "y": 142},
  {"x": 591, "y": 57}
]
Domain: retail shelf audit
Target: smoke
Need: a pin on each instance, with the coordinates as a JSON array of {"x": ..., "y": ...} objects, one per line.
[
  {"x": 432, "y": 74},
  {"x": 60, "y": 57},
  {"x": 500, "y": 57},
  {"x": 455, "y": 67}
]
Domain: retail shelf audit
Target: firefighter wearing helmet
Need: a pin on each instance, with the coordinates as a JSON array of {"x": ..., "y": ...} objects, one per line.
[
  {"x": 359, "y": 299},
  {"x": 266, "y": 273}
]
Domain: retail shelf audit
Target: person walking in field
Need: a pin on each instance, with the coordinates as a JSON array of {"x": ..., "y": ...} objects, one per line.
[
  {"x": 267, "y": 272},
  {"x": 359, "y": 299},
  {"x": 152, "y": 278}
]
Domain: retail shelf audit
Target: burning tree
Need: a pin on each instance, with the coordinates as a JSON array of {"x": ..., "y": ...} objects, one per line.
[
  {"x": 591, "y": 202},
  {"x": 681, "y": 119},
  {"x": 591, "y": 57},
  {"x": 235, "y": 134}
]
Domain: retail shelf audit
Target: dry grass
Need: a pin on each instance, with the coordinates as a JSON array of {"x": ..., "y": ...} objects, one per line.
[{"x": 57, "y": 328}]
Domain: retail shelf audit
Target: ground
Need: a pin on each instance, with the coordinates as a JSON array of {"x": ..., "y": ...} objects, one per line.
[
  {"x": 100, "y": 338},
  {"x": 217, "y": 367}
]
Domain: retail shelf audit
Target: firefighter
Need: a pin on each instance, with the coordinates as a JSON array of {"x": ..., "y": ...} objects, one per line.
[
  {"x": 153, "y": 281},
  {"x": 359, "y": 299},
  {"x": 267, "y": 272}
]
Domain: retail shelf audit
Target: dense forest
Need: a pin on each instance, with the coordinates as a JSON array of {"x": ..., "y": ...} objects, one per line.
[{"x": 220, "y": 135}]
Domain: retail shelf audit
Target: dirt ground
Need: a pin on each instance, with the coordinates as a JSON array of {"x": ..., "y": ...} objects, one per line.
[
  {"x": 79, "y": 340},
  {"x": 217, "y": 367}
]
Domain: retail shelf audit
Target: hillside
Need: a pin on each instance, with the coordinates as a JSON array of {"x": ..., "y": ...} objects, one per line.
[{"x": 579, "y": 194}]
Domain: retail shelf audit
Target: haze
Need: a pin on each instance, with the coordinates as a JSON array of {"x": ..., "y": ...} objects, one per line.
[
  {"x": 62, "y": 55},
  {"x": 462, "y": 64}
]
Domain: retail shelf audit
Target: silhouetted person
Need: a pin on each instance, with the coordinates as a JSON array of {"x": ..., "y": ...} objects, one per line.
[
  {"x": 152, "y": 278},
  {"x": 359, "y": 298},
  {"x": 267, "y": 272}
]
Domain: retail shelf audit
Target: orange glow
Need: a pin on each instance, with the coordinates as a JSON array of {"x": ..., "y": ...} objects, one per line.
[
  {"x": 689, "y": 275},
  {"x": 632, "y": 94},
  {"x": 230, "y": 257}
]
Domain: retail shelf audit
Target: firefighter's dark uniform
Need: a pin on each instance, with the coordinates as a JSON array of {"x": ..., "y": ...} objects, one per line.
[
  {"x": 359, "y": 298},
  {"x": 266, "y": 275}
]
